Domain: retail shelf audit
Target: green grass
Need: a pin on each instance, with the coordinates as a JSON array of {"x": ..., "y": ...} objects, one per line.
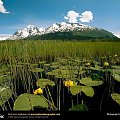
[{"x": 34, "y": 51}]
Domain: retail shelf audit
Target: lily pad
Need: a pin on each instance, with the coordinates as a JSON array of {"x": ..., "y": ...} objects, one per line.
[
  {"x": 46, "y": 65},
  {"x": 5, "y": 94},
  {"x": 58, "y": 72},
  {"x": 23, "y": 63},
  {"x": 116, "y": 77},
  {"x": 42, "y": 62},
  {"x": 88, "y": 91},
  {"x": 5, "y": 80},
  {"x": 97, "y": 68},
  {"x": 55, "y": 63},
  {"x": 116, "y": 71},
  {"x": 37, "y": 70},
  {"x": 4, "y": 68},
  {"x": 27, "y": 102},
  {"x": 54, "y": 66},
  {"x": 67, "y": 76},
  {"x": 116, "y": 67},
  {"x": 34, "y": 65},
  {"x": 88, "y": 81},
  {"x": 64, "y": 67},
  {"x": 75, "y": 89},
  {"x": 116, "y": 97},
  {"x": 42, "y": 83}
]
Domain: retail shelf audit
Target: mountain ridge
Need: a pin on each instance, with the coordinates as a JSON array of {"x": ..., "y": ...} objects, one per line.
[{"x": 62, "y": 31}]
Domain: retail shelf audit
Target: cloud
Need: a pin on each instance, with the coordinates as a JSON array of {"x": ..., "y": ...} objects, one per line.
[
  {"x": 87, "y": 16},
  {"x": 72, "y": 16},
  {"x": 2, "y": 8}
]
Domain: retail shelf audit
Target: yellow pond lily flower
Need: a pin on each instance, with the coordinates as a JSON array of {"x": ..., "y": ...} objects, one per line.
[
  {"x": 68, "y": 83},
  {"x": 88, "y": 64},
  {"x": 38, "y": 91},
  {"x": 106, "y": 64}
]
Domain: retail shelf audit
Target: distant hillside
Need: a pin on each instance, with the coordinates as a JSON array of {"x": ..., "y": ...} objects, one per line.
[{"x": 77, "y": 35}]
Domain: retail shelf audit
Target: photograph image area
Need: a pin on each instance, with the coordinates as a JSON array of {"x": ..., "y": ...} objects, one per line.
[{"x": 59, "y": 58}]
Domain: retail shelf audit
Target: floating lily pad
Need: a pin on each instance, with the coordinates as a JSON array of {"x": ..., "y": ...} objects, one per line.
[
  {"x": 116, "y": 67},
  {"x": 37, "y": 70},
  {"x": 54, "y": 66},
  {"x": 79, "y": 107},
  {"x": 116, "y": 77},
  {"x": 88, "y": 81},
  {"x": 54, "y": 72},
  {"x": 75, "y": 71},
  {"x": 26, "y": 102},
  {"x": 75, "y": 89},
  {"x": 55, "y": 63},
  {"x": 97, "y": 68},
  {"x": 81, "y": 72},
  {"x": 46, "y": 65},
  {"x": 34, "y": 65},
  {"x": 77, "y": 61},
  {"x": 4, "y": 69},
  {"x": 5, "y": 80},
  {"x": 58, "y": 72},
  {"x": 88, "y": 91},
  {"x": 68, "y": 67},
  {"x": 42, "y": 83},
  {"x": 5, "y": 94},
  {"x": 64, "y": 67},
  {"x": 116, "y": 71},
  {"x": 67, "y": 76},
  {"x": 116, "y": 97},
  {"x": 63, "y": 60},
  {"x": 42, "y": 62}
]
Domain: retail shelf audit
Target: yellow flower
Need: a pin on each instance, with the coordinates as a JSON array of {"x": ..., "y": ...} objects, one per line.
[
  {"x": 68, "y": 83},
  {"x": 35, "y": 92},
  {"x": 87, "y": 64},
  {"x": 38, "y": 91},
  {"x": 106, "y": 64}
]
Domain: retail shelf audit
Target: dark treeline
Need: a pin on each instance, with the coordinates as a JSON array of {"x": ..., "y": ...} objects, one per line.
[{"x": 89, "y": 36}]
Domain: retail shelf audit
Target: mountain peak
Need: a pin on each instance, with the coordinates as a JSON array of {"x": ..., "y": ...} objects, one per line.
[
  {"x": 30, "y": 26},
  {"x": 65, "y": 27},
  {"x": 30, "y": 30}
]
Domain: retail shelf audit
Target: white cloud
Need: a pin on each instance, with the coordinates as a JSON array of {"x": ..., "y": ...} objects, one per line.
[
  {"x": 72, "y": 16},
  {"x": 2, "y": 8},
  {"x": 87, "y": 16}
]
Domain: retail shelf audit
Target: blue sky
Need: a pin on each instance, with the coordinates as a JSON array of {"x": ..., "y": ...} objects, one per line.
[{"x": 42, "y": 13}]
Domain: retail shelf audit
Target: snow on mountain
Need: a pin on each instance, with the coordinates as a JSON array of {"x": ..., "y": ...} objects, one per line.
[
  {"x": 30, "y": 30},
  {"x": 4, "y": 36},
  {"x": 117, "y": 35},
  {"x": 64, "y": 27}
]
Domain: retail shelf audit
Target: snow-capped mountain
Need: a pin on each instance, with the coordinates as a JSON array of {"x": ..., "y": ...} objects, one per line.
[
  {"x": 4, "y": 36},
  {"x": 30, "y": 30},
  {"x": 63, "y": 28}
]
